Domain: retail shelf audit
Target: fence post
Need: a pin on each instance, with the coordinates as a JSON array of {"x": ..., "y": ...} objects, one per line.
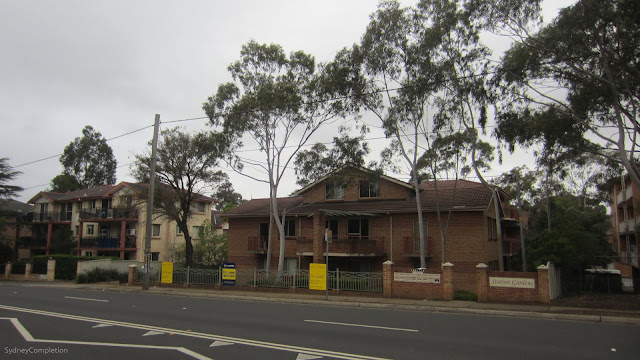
[
  {"x": 188, "y": 275},
  {"x": 338, "y": 279},
  {"x": 482, "y": 282},
  {"x": 7, "y": 270},
  {"x": 133, "y": 272},
  {"x": 255, "y": 275},
  {"x": 51, "y": 270},
  {"x": 543, "y": 284},
  {"x": 219, "y": 284},
  {"x": 79, "y": 268},
  {"x": 27, "y": 271},
  {"x": 447, "y": 281}
]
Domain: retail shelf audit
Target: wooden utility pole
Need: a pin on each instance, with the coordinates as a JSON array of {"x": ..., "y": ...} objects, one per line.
[{"x": 152, "y": 181}]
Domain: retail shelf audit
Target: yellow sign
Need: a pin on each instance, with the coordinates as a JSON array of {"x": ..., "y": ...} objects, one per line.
[
  {"x": 167, "y": 273},
  {"x": 229, "y": 276},
  {"x": 317, "y": 276}
]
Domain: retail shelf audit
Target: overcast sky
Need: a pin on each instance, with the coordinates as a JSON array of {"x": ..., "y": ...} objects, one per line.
[{"x": 115, "y": 64}]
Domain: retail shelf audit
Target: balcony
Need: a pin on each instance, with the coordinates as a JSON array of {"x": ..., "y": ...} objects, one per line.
[
  {"x": 258, "y": 244},
  {"x": 46, "y": 217},
  {"x": 103, "y": 242},
  {"x": 350, "y": 246},
  {"x": 624, "y": 195},
  {"x": 630, "y": 257},
  {"x": 29, "y": 242},
  {"x": 109, "y": 214},
  {"x": 412, "y": 246},
  {"x": 628, "y": 226}
]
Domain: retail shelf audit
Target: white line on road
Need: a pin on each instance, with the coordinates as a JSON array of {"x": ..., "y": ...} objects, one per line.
[
  {"x": 194, "y": 334},
  {"x": 359, "y": 325},
  {"x": 79, "y": 298}
]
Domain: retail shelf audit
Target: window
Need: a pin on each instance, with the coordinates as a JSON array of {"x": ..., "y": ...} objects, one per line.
[
  {"x": 92, "y": 204},
  {"x": 178, "y": 231},
  {"x": 195, "y": 231},
  {"x": 155, "y": 256},
  {"x": 332, "y": 224},
  {"x": 66, "y": 209},
  {"x": 90, "y": 230},
  {"x": 155, "y": 230},
  {"x": 200, "y": 206},
  {"x": 334, "y": 191},
  {"x": 290, "y": 266},
  {"x": 358, "y": 228},
  {"x": 77, "y": 229},
  {"x": 369, "y": 189},
  {"x": 125, "y": 201},
  {"x": 416, "y": 227},
  {"x": 290, "y": 228},
  {"x": 492, "y": 229}
]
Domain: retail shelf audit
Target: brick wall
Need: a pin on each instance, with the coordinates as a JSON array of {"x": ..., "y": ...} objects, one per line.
[{"x": 488, "y": 293}]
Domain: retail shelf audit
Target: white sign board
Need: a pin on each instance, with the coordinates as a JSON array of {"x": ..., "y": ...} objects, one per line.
[
  {"x": 417, "y": 278},
  {"x": 521, "y": 283}
]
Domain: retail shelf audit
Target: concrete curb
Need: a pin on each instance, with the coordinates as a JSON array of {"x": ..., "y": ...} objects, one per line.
[{"x": 523, "y": 311}]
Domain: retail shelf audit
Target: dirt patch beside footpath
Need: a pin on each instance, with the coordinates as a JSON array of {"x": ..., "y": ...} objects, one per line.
[{"x": 600, "y": 304}]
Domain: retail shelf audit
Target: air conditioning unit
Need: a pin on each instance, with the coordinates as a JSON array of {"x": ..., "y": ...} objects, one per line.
[{"x": 131, "y": 232}]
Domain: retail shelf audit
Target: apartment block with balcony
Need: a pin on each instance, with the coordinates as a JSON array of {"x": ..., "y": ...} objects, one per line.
[
  {"x": 103, "y": 221},
  {"x": 625, "y": 218},
  {"x": 373, "y": 219}
]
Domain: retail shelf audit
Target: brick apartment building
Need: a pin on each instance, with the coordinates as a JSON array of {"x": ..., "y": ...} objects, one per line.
[
  {"x": 374, "y": 219},
  {"x": 625, "y": 218},
  {"x": 105, "y": 221}
]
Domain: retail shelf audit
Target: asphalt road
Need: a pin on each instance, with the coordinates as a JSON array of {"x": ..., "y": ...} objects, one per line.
[{"x": 38, "y": 322}]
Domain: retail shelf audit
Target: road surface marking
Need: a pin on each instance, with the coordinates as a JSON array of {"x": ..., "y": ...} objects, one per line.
[
  {"x": 220, "y": 343},
  {"x": 29, "y": 338},
  {"x": 101, "y": 325},
  {"x": 247, "y": 342},
  {"x": 359, "y": 325},
  {"x": 87, "y": 299},
  {"x": 307, "y": 357},
  {"x": 151, "y": 333}
]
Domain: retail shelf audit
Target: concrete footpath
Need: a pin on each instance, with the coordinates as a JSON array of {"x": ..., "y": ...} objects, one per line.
[{"x": 377, "y": 302}]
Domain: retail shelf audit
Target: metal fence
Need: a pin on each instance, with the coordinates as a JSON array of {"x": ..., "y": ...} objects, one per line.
[{"x": 339, "y": 280}]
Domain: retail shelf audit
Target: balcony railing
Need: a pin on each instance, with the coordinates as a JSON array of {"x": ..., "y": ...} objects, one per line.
[
  {"x": 102, "y": 242},
  {"x": 109, "y": 213},
  {"x": 353, "y": 245},
  {"x": 628, "y": 226},
  {"x": 412, "y": 245},
  {"x": 624, "y": 195},
  {"x": 258, "y": 244},
  {"x": 51, "y": 217},
  {"x": 31, "y": 242}
]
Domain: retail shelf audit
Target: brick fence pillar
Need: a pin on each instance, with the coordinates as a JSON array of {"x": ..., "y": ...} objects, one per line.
[
  {"x": 447, "y": 281},
  {"x": 133, "y": 270},
  {"x": 27, "y": 271},
  {"x": 51, "y": 270},
  {"x": 482, "y": 282},
  {"x": 387, "y": 278},
  {"x": 7, "y": 270},
  {"x": 543, "y": 284}
]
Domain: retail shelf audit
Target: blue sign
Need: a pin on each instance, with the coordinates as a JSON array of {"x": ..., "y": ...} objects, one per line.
[{"x": 228, "y": 274}]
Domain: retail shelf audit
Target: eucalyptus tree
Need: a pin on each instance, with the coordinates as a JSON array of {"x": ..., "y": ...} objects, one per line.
[
  {"x": 89, "y": 160},
  {"x": 187, "y": 167},
  {"x": 280, "y": 102},
  {"x": 571, "y": 85}
]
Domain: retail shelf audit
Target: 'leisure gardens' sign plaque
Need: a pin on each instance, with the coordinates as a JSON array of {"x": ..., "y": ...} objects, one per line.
[{"x": 521, "y": 283}]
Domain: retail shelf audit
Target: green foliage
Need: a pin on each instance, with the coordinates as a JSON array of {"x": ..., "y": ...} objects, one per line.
[
  {"x": 186, "y": 166},
  {"x": 8, "y": 174},
  {"x": 64, "y": 183},
  {"x": 6, "y": 253},
  {"x": 572, "y": 86},
  {"x": 66, "y": 265},
  {"x": 578, "y": 238},
  {"x": 89, "y": 159},
  {"x": 311, "y": 165},
  {"x": 209, "y": 250},
  {"x": 62, "y": 241},
  {"x": 102, "y": 275},
  {"x": 227, "y": 197},
  {"x": 464, "y": 295}
]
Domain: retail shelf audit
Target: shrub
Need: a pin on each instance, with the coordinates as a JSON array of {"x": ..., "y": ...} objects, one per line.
[
  {"x": 464, "y": 296},
  {"x": 102, "y": 275}
]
